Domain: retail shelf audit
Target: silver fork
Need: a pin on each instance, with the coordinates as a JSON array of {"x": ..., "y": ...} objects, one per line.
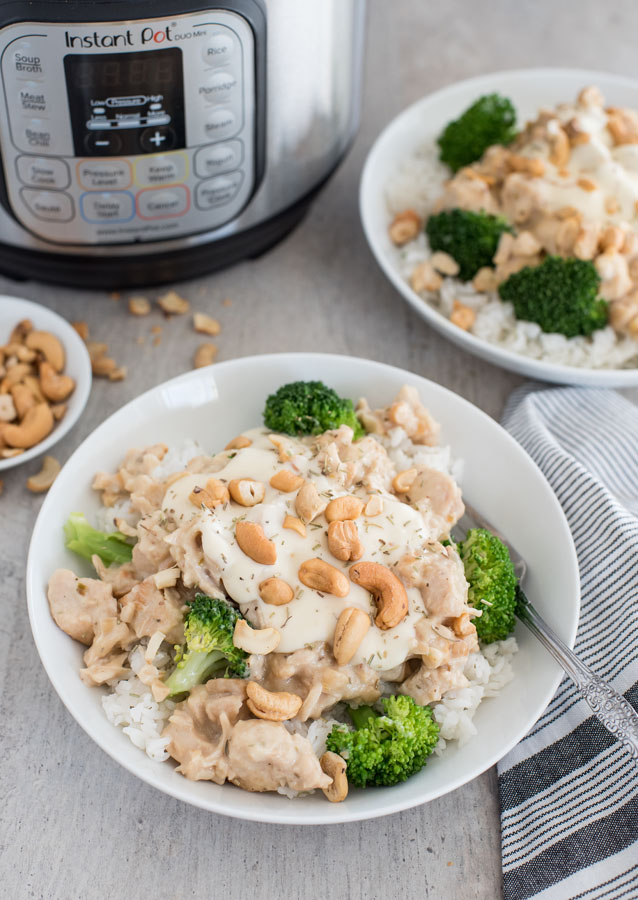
[{"x": 610, "y": 707}]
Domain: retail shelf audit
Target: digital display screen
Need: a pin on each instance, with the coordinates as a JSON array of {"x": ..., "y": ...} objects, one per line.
[{"x": 126, "y": 103}]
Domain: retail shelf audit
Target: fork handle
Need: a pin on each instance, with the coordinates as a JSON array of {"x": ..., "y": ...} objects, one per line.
[{"x": 611, "y": 708}]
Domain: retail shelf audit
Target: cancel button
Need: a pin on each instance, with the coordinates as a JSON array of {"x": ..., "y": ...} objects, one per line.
[{"x": 163, "y": 204}]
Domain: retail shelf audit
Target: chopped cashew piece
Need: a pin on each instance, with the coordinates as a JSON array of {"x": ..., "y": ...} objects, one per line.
[
  {"x": 206, "y": 324},
  {"x": 295, "y": 524},
  {"x": 139, "y": 306},
  {"x": 204, "y": 355},
  {"x": 238, "y": 443},
  {"x": 405, "y": 227},
  {"x": 172, "y": 304},
  {"x": 246, "y": 491},
  {"x": 255, "y": 640},
  {"x": 45, "y": 477}
]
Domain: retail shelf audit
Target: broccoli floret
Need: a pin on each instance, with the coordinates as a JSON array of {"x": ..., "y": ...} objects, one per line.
[
  {"x": 560, "y": 295},
  {"x": 389, "y": 748},
  {"x": 81, "y": 538},
  {"x": 491, "y": 120},
  {"x": 492, "y": 583},
  {"x": 471, "y": 238},
  {"x": 309, "y": 407},
  {"x": 208, "y": 650}
]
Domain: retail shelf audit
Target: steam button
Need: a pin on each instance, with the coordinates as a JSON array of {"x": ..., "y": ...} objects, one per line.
[
  {"x": 220, "y": 124},
  {"x": 52, "y": 206},
  {"x": 218, "y": 48}
]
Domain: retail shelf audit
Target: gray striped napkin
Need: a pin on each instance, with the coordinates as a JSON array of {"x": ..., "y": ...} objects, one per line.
[{"x": 569, "y": 792}]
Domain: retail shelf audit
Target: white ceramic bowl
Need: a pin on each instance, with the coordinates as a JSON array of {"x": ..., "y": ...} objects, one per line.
[
  {"x": 529, "y": 89},
  {"x": 213, "y": 405},
  {"x": 78, "y": 365}
]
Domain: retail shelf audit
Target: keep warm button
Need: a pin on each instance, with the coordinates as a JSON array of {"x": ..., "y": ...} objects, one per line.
[
  {"x": 216, "y": 191},
  {"x": 163, "y": 204}
]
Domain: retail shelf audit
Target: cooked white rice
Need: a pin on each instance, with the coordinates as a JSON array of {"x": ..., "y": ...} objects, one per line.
[{"x": 417, "y": 185}]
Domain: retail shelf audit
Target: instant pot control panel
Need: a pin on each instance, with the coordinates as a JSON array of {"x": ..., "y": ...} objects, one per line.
[{"x": 124, "y": 132}]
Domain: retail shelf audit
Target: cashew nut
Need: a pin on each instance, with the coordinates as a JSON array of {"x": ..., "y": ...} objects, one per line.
[
  {"x": 254, "y": 543},
  {"x": 45, "y": 477},
  {"x": 15, "y": 374},
  {"x": 374, "y": 506},
  {"x": 247, "y": 491},
  {"x": 35, "y": 426},
  {"x": 255, "y": 640},
  {"x": 308, "y": 503},
  {"x": 20, "y": 331},
  {"x": 342, "y": 508},
  {"x": 276, "y": 591},
  {"x": 286, "y": 481},
  {"x": 335, "y": 766},
  {"x": 49, "y": 346},
  {"x": 402, "y": 482},
  {"x": 283, "y": 446},
  {"x": 8, "y": 410},
  {"x": 352, "y": 626},
  {"x": 55, "y": 387},
  {"x": 295, "y": 524},
  {"x": 275, "y": 706},
  {"x": 462, "y": 625},
  {"x": 23, "y": 399},
  {"x": 389, "y": 593},
  {"x": 214, "y": 494},
  {"x": 404, "y": 227},
  {"x": 321, "y": 576},
  {"x": 343, "y": 541},
  {"x": 238, "y": 443}
]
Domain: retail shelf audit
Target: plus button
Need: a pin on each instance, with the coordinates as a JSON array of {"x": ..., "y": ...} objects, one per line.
[{"x": 157, "y": 139}]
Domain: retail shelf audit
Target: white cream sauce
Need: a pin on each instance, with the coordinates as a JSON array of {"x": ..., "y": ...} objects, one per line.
[
  {"x": 613, "y": 168},
  {"x": 310, "y": 616}
]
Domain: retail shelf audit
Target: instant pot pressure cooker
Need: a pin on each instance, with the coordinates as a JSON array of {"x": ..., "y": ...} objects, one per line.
[{"x": 152, "y": 140}]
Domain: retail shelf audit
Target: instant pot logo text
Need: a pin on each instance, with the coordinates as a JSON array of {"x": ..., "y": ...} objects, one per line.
[{"x": 145, "y": 36}]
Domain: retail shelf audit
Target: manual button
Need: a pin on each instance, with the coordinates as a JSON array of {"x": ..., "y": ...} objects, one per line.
[
  {"x": 52, "y": 206},
  {"x": 163, "y": 204},
  {"x": 104, "y": 174},
  {"x": 107, "y": 206},
  {"x": 38, "y": 171},
  {"x": 217, "y": 191}
]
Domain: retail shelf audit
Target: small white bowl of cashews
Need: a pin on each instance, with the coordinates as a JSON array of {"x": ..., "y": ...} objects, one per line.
[{"x": 45, "y": 379}]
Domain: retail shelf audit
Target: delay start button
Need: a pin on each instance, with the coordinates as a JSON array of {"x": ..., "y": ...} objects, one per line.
[
  {"x": 163, "y": 204},
  {"x": 107, "y": 206},
  {"x": 217, "y": 191}
]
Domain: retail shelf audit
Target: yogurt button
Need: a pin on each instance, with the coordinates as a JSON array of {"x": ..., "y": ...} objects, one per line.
[
  {"x": 218, "y": 48},
  {"x": 52, "y": 206},
  {"x": 217, "y": 159}
]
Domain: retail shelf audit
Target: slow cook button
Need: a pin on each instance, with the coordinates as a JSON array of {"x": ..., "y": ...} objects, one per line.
[
  {"x": 218, "y": 48},
  {"x": 104, "y": 174},
  {"x": 217, "y": 191},
  {"x": 164, "y": 169},
  {"x": 218, "y": 87},
  {"x": 163, "y": 204},
  {"x": 38, "y": 171},
  {"x": 52, "y": 206},
  {"x": 217, "y": 159},
  {"x": 219, "y": 124},
  {"x": 107, "y": 206}
]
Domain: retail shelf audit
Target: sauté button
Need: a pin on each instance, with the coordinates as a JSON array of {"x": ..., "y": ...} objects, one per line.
[
  {"x": 218, "y": 48},
  {"x": 217, "y": 159},
  {"x": 217, "y": 191},
  {"x": 105, "y": 174},
  {"x": 163, "y": 204},
  {"x": 107, "y": 206},
  {"x": 41, "y": 172},
  {"x": 52, "y": 206}
]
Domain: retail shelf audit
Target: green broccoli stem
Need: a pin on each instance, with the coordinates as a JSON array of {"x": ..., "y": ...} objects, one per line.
[
  {"x": 361, "y": 715},
  {"x": 197, "y": 668}
]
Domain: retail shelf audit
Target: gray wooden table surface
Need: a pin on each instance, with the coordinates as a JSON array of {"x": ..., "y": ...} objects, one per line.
[{"x": 73, "y": 824}]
